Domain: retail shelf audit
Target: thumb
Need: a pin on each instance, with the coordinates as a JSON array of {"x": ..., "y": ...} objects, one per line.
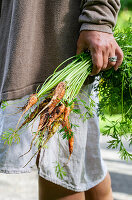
[
  {"x": 81, "y": 43},
  {"x": 80, "y": 49}
]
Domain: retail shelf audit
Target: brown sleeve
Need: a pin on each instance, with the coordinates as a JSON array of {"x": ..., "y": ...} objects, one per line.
[{"x": 99, "y": 15}]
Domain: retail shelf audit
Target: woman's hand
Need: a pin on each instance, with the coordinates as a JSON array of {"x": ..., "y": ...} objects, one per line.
[{"x": 102, "y": 46}]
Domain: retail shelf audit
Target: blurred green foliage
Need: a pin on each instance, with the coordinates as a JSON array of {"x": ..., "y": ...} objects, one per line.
[
  {"x": 126, "y": 4},
  {"x": 123, "y": 18},
  {"x": 109, "y": 118},
  {"x": 125, "y": 13}
]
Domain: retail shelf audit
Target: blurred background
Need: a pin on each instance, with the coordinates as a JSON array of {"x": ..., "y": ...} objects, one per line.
[
  {"x": 125, "y": 13},
  {"x": 25, "y": 186}
]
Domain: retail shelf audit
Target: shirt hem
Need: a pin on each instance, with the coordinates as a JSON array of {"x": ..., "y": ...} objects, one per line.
[
  {"x": 14, "y": 171},
  {"x": 19, "y": 93},
  {"x": 27, "y": 90},
  {"x": 72, "y": 187}
]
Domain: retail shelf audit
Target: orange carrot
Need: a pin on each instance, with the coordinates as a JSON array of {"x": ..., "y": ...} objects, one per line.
[
  {"x": 54, "y": 129},
  {"x": 47, "y": 110},
  {"x": 35, "y": 112},
  {"x": 32, "y": 100},
  {"x": 51, "y": 132},
  {"x": 55, "y": 116},
  {"x": 58, "y": 95},
  {"x": 68, "y": 130},
  {"x": 36, "y": 134},
  {"x": 71, "y": 142},
  {"x": 56, "y": 113}
]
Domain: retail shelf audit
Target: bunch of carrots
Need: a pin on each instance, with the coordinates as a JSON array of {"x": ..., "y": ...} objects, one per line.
[{"x": 58, "y": 94}]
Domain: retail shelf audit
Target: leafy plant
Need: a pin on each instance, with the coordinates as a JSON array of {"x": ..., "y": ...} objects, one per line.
[
  {"x": 10, "y": 137},
  {"x": 59, "y": 170},
  {"x": 4, "y": 105},
  {"x": 115, "y": 90}
]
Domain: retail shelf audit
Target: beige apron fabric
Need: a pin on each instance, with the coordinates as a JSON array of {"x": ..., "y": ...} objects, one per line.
[
  {"x": 10, "y": 160},
  {"x": 85, "y": 168}
]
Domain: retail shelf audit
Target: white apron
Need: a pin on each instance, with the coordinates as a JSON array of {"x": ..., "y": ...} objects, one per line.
[{"x": 85, "y": 168}]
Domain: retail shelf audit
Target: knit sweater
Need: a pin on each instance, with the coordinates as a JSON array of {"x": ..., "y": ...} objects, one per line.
[{"x": 36, "y": 35}]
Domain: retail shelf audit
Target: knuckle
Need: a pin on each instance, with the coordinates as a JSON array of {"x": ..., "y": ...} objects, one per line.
[
  {"x": 112, "y": 64},
  {"x": 98, "y": 67},
  {"x": 118, "y": 63},
  {"x": 121, "y": 55},
  {"x": 107, "y": 46},
  {"x": 120, "y": 60},
  {"x": 103, "y": 69},
  {"x": 99, "y": 46},
  {"x": 111, "y": 45},
  {"x": 104, "y": 66}
]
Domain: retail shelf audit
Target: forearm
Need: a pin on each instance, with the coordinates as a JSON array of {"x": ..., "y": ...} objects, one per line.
[{"x": 99, "y": 15}]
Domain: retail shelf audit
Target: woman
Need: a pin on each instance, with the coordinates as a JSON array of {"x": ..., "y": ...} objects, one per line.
[{"x": 35, "y": 37}]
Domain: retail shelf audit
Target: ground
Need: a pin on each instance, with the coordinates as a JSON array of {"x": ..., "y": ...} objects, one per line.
[{"x": 25, "y": 186}]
